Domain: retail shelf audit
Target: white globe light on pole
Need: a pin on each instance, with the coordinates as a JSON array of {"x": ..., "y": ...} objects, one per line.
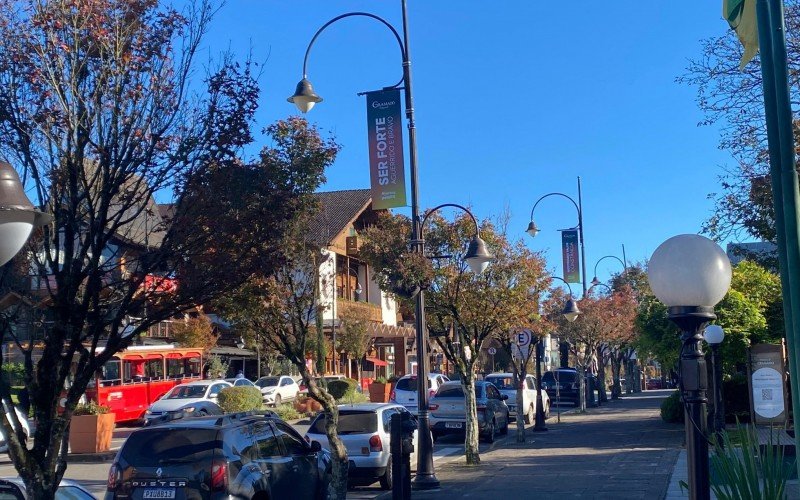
[{"x": 690, "y": 274}]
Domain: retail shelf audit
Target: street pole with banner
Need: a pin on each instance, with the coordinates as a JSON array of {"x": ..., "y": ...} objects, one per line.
[
  {"x": 385, "y": 139},
  {"x": 569, "y": 251}
]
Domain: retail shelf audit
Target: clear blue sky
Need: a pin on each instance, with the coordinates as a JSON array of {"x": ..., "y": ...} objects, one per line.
[{"x": 513, "y": 100}]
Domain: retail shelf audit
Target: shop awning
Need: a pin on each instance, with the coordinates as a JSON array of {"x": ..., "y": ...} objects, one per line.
[{"x": 377, "y": 362}]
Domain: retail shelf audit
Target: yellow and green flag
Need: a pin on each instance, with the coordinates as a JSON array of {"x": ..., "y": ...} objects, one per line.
[{"x": 741, "y": 16}]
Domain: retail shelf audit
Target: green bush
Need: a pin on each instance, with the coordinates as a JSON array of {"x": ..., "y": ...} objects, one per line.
[
  {"x": 287, "y": 412},
  {"x": 353, "y": 397},
  {"x": 736, "y": 396},
  {"x": 236, "y": 399},
  {"x": 14, "y": 373},
  {"x": 338, "y": 388},
  {"x": 672, "y": 408},
  {"x": 90, "y": 408}
]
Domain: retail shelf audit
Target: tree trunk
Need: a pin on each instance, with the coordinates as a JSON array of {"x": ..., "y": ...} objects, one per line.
[
  {"x": 601, "y": 376},
  {"x": 582, "y": 388},
  {"x": 339, "y": 465},
  {"x": 616, "y": 367},
  {"x": 472, "y": 438},
  {"x": 521, "y": 410}
]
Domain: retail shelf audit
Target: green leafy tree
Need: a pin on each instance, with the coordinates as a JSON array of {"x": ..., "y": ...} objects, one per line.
[
  {"x": 195, "y": 331},
  {"x": 354, "y": 338}
]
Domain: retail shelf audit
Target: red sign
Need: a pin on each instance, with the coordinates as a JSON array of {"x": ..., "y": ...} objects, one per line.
[{"x": 385, "y": 137}]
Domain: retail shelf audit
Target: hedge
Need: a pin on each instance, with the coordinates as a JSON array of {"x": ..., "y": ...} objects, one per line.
[{"x": 236, "y": 399}]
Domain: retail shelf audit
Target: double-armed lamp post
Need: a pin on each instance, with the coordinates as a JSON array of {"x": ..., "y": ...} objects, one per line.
[{"x": 305, "y": 98}]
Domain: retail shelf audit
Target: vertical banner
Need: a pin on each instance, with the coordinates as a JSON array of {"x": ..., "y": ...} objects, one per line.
[
  {"x": 386, "y": 167},
  {"x": 569, "y": 250}
]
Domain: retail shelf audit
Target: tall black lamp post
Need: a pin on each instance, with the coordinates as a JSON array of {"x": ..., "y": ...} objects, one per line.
[
  {"x": 690, "y": 274},
  {"x": 714, "y": 335}
]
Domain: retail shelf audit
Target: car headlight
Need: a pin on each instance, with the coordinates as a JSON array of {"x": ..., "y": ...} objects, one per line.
[
  {"x": 188, "y": 409},
  {"x": 269, "y": 391},
  {"x": 148, "y": 412}
]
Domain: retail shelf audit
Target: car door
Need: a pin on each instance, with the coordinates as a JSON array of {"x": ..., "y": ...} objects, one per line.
[
  {"x": 303, "y": 465},
  {"x": 530, "y": 392},
  {"x": 274, "y": 463},
  {"x": 495, "y": 400},
  {"x": 284, "y": 388}
]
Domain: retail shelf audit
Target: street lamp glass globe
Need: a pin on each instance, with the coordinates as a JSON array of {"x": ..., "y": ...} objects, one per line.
[
  {"x": 478, "y": 256},
  {"x": 689, "y": 270},
  {"x": 13, "y": 236},
  {"x": 571, "y": 310},
  {"x": 304, "y": 96},
  {"x": 714, "y": 334},
  {"x": 358, "y": 289}
]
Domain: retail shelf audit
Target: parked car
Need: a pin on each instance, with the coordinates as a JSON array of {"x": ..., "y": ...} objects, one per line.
[
  {"x": 448, "y": 413},
  {"x": 199, "y": 396},
  {"x": 320, "y": 380},
  {"x": 278, "y": 389},
  {"x": 23, "y": 420},
  {"x": 404, "y": 391},
  {"x": 505, "y": 383},
  {"x": 242, "y": 455},
  {"x": 654, "y": 383},
  {"x": 240, "y": 382},
  {"x": 14, "y": 488},
  {"x": 364, "y": 430},
  {"x": 562, "y": 385}
]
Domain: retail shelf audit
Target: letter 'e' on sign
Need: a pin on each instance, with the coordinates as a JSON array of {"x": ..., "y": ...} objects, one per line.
[{"x": 523, "y": 338}]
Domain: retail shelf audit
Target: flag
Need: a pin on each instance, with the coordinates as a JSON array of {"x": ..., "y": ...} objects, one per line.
[{"x": 741, "y": 16}]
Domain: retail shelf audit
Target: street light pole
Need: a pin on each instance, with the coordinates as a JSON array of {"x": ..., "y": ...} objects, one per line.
[
  {"x": 690, "y": 274},
  {"x": 714, "y": 335},
  {"x": 540, "y": 425}
]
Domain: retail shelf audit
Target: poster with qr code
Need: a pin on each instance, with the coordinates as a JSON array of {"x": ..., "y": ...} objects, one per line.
[{"x": 767, "y": 386}]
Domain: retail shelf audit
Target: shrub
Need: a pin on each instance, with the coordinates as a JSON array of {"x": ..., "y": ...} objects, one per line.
[
  {"x": 91, "y": 408},
  {"x": 338, "y": 388},
  {"x": 381, "y": 380},
  {"x": 354, "y": 397},
  {"x": 14, "y": 373},
  {"x": 672, "y": 408},
  {"x": 236, "y": 399},
  {"x": 287, "y": 412}
]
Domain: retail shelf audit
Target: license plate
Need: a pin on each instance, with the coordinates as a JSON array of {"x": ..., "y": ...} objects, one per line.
[
  {"x": 159, "y": 493},
  {"x": 452, "y": 425}
]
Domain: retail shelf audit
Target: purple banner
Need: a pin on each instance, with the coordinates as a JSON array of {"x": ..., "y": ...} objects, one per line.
[
  {"x": 386, "y": 167},
  {"x": 569, "y": 251}
]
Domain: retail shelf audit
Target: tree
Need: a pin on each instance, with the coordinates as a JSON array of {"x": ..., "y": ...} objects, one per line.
[
  {"x": 734, "y": 99},
  {"x": 99, "y": 111},
  {"x": 278, "y": 307},
  {"x": 195, "y": 331},
  {"x": 354, "y": 338},
  {"x": 476, "y": 306}
]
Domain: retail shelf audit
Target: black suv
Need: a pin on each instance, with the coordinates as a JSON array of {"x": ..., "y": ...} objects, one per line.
[
  {"x": 242, "y": 455},
  {"x": 562, "y": 385}
]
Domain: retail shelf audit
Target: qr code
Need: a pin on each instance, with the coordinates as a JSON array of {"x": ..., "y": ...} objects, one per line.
[{"x": 766, "y": 394}]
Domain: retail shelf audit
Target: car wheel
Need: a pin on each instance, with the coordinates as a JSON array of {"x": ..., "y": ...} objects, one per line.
[
  {"x": 277, "y": 400},
  {"x": 387, "y": 479},
  {"x": 530, "y": 415},
  {"x": 490, "y": 431}
]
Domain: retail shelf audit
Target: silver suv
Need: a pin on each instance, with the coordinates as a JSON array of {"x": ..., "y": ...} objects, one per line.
[{"x": 405, "y": 389}]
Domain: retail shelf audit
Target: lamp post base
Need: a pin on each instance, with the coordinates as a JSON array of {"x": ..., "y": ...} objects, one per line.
[{"x": 426, "y": 482}]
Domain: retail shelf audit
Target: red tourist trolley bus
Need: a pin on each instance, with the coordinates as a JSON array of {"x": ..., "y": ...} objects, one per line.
[{"x": 139, "y": 375}]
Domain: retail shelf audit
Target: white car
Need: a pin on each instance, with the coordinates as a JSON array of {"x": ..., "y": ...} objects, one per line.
[
  {"x": 405, "y": 389},
  {"x": 193, "y": 396},
  {"x": 505, "y": 382},
  {"x": 364, "y": 431},
  {"x": 278, "y": 389},
  {"x": 23, "y": 420},
  {"x": 240, "y": 382}
]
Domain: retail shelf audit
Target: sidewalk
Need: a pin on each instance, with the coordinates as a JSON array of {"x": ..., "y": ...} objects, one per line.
[{"x": 621, "y": 450}]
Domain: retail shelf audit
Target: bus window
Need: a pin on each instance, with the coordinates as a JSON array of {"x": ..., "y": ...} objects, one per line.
[
  {"x": 154, "y": 369},
  {"x": 175, "y": 368},
  {"x": 110, "y": 374},
  {"x": 192, "y": 367}
]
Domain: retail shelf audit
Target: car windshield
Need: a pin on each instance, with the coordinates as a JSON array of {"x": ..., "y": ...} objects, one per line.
[
  {"x": 350, "y": 422},
  {"x": 406, "y": 384},
  {"x": 503, "y": 383},
  {"x": 564, "y": 377},
  {"x": 160, "y": 447},
  {"x": 267, "y": 382},
  {"x": 186, "y": 392}
]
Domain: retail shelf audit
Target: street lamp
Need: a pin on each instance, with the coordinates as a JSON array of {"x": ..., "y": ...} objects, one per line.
[
  {"x": 18, "y": 217},
  {"x": 533, "y": 230},
  {"x": 714, "y": 335},
  {"x": 305, "y": 98},
  {"x": 358, "y": 288},
  {"x": 690, "y": 274},
  {"x": 596, "y": 281}
]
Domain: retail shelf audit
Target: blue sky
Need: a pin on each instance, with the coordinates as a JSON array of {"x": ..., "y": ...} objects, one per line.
[{"x": 513, "y": 100}]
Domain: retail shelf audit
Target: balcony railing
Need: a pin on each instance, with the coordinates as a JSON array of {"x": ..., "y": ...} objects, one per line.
[{"x": 373, "y": 311}]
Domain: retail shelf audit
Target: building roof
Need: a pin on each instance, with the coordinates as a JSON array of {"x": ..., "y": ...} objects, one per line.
[{"x": 337, "y": 210}]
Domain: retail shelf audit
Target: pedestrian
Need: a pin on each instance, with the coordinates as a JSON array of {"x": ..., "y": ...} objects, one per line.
[{"x": 240, "y": 374}]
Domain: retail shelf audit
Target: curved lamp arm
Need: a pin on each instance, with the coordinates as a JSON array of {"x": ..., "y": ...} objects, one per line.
[
  {"x": 570, "y": 311},
  {"x": 595, "y": 281},
  {"x": 304, "y": 96},
  {"x": 477, "y": 256},
  {"x": 533, "y": 230},
  {"x": 611, "y": 290}
]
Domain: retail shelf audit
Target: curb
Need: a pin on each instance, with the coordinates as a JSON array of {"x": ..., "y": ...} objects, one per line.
[{"x": 100, "y": 457}]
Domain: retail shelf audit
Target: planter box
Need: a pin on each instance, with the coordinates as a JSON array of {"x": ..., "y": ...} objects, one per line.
[
  {"x": 91, "y": 433},
  {"x": 379, "y": 393}
]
